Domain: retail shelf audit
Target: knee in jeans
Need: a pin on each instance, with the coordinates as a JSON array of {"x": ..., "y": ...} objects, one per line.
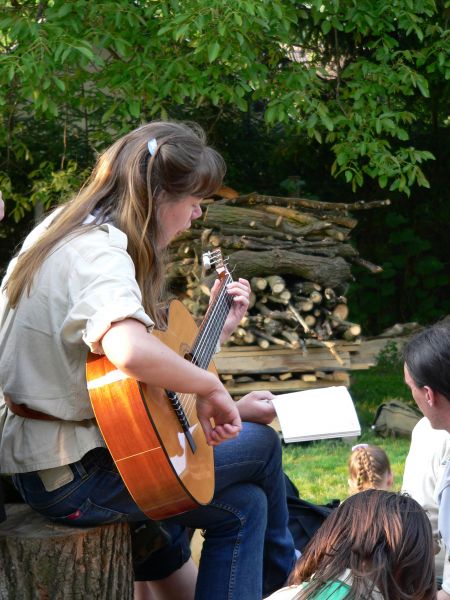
[
  {"x": 254, "y": 505},
  {"x": 270, "y": 441},
  {"x": 274, "y": 439},
  {"x": 242, "y": 506}
]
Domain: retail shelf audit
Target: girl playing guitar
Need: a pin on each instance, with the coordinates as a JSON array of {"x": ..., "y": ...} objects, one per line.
[{"x": 90, "y": 278}]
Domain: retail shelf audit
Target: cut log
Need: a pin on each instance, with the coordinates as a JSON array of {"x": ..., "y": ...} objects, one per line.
[
  {"x": 325, "y": 271},
  {"x": 310, "y": 320},
  {"x": 357, "y": 260},
  {"x": 340, "y": 312},
  {"x": 315, "y": 205},
  {"x": 304, "y": 305},
  {"x": 309, "y": 377},
  {"x": 285, "y": 376},
  {"x": 258, "y": 284},
  {"x": 352, "y": 332},
  {"x": 41, "y": 559},
  {"x": 285, "y": 295},
  {"x": 316, "y": 297}
]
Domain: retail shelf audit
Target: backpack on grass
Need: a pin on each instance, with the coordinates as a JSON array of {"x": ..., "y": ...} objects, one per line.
[
  {"x": 305, "y": 517},
  {"x": 395, "y": 419}
]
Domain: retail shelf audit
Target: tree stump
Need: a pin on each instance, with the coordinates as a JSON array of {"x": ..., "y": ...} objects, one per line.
[{"x": 42, "y": 560}]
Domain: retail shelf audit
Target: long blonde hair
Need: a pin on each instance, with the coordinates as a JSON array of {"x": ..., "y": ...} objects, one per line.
[{"x": 125, "y": 188}]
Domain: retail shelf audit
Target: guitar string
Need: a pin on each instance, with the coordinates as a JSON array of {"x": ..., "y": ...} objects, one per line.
[
  {"x": 219, "y": 309},
  {"x": 206, "y": 341}
]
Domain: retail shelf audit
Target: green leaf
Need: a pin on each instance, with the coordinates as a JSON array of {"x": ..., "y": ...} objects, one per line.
[
  {"x": 87, "y": 52},
  {"x": 121, "y": 46},
  {"x": 65, "y": 9},
  {"x": 59, "y": 83},
  {"x": 241, "y": 104},
  {"x": 382, "y": 181},
  {"x": 65, "y": 54},
  {"x": 326, "y": 27},
  {"x": 134, "y": 106},
  {"x": 269, "y": 115},
  {"x": 213, "y": 51},
  {"x": 422, "y": 84},
  {"x": 317, "y": 135},
  {"x": 277, "y": 10}
]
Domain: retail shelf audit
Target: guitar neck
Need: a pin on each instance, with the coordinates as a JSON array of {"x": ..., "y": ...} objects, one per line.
[{"x": 211, "y": 327}]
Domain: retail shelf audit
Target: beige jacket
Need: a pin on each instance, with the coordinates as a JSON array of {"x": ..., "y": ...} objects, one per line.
[{"x": 86, "y": 284}]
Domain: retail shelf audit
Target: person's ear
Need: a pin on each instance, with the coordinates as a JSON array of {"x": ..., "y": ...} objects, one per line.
[
  {"x": 390, "y": 480},
  {"x": 430, "y": 395}
]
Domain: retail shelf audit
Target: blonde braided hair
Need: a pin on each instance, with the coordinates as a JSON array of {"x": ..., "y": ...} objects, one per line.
[{"x": 368, "y": 465}]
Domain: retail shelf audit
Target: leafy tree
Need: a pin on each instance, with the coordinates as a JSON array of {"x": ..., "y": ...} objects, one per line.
[
  {"x": 352, "y": 74},
  {"x": 352, "y": 88}
]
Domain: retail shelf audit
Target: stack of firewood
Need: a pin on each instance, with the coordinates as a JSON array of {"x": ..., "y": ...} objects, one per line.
[
  {"x": 284, "y": 314},
  {"x": 297, "y": 256}
]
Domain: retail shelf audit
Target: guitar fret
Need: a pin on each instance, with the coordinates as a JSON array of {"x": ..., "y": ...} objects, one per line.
[{"x": 205, "y": 344}]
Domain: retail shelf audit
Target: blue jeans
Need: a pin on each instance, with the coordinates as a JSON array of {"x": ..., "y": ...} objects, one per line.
[{"x": 248, "y": 550}]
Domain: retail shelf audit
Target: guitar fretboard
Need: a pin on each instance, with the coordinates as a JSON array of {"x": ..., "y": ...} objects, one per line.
[{"x": 208, "y": 336}]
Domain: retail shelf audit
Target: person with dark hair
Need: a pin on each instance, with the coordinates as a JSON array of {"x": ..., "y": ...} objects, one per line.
[
  {"x": 91, "y": 277},
  {"x": 422, "y": 476},
  {"x": 376, "y": 544},
  {"x": 369, "y": 468},
  {"x": 427, "y": 374}
]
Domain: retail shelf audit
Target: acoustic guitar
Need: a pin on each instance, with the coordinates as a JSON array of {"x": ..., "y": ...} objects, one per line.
[{"x": 153, "y": 434}]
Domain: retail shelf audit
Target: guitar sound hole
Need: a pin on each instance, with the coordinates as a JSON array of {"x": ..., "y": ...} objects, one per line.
[{"x": 181, "y": 416}]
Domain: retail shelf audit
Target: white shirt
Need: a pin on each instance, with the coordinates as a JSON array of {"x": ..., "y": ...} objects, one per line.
[
  {"x": 423, "y": 480},
  {"x": 84, "y": 285},
  {"x": 444, "y": 509}
]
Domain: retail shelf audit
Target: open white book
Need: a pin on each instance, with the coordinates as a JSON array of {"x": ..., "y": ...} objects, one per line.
[{"x": 317, "y": 414}]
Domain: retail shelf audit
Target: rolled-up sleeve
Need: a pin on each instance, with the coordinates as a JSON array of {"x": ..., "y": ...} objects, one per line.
[{"x": 103, "y": 289}]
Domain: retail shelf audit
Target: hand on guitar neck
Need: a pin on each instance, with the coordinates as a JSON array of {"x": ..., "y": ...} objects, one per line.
[
  {"x": 240, "y": 290},
  {"x": 142, "y": 356}
]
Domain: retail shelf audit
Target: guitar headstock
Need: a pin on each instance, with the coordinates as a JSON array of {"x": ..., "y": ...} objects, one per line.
[{"x": 214, "y": 259}]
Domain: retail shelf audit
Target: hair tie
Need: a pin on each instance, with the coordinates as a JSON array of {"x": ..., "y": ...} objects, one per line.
[
  {"x": 359, "y": 446},
  {"x": 152, "y": 145}
]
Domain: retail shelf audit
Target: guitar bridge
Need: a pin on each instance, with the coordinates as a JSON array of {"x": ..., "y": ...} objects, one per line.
[{"x": 181, "y": 416}]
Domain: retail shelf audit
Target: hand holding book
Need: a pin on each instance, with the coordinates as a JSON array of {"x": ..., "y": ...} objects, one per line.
[{"x": 317, "y": 414}]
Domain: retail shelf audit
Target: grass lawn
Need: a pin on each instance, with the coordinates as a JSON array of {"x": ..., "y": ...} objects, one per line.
[{"x": 319, "y": 469}]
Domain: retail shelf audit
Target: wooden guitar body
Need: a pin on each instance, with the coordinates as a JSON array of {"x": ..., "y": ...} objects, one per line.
[{"x": 163, "y": 474}]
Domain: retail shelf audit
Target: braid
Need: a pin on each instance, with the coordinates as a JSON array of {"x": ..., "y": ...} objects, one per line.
[
  {"x": 366, "y": 475},
  {"x": 367, "y": 467}
]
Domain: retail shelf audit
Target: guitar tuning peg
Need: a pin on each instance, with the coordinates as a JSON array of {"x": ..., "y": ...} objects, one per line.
[
  {"x": 206, "y": 259},
  {"x": 212, "y": 258}
]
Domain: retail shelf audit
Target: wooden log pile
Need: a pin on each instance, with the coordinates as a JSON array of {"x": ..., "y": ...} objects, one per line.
[{"x": 297, "y": 255}]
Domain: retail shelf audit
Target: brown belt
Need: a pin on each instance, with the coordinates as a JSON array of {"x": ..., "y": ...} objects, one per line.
[{"x": 22, "y": 410}]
